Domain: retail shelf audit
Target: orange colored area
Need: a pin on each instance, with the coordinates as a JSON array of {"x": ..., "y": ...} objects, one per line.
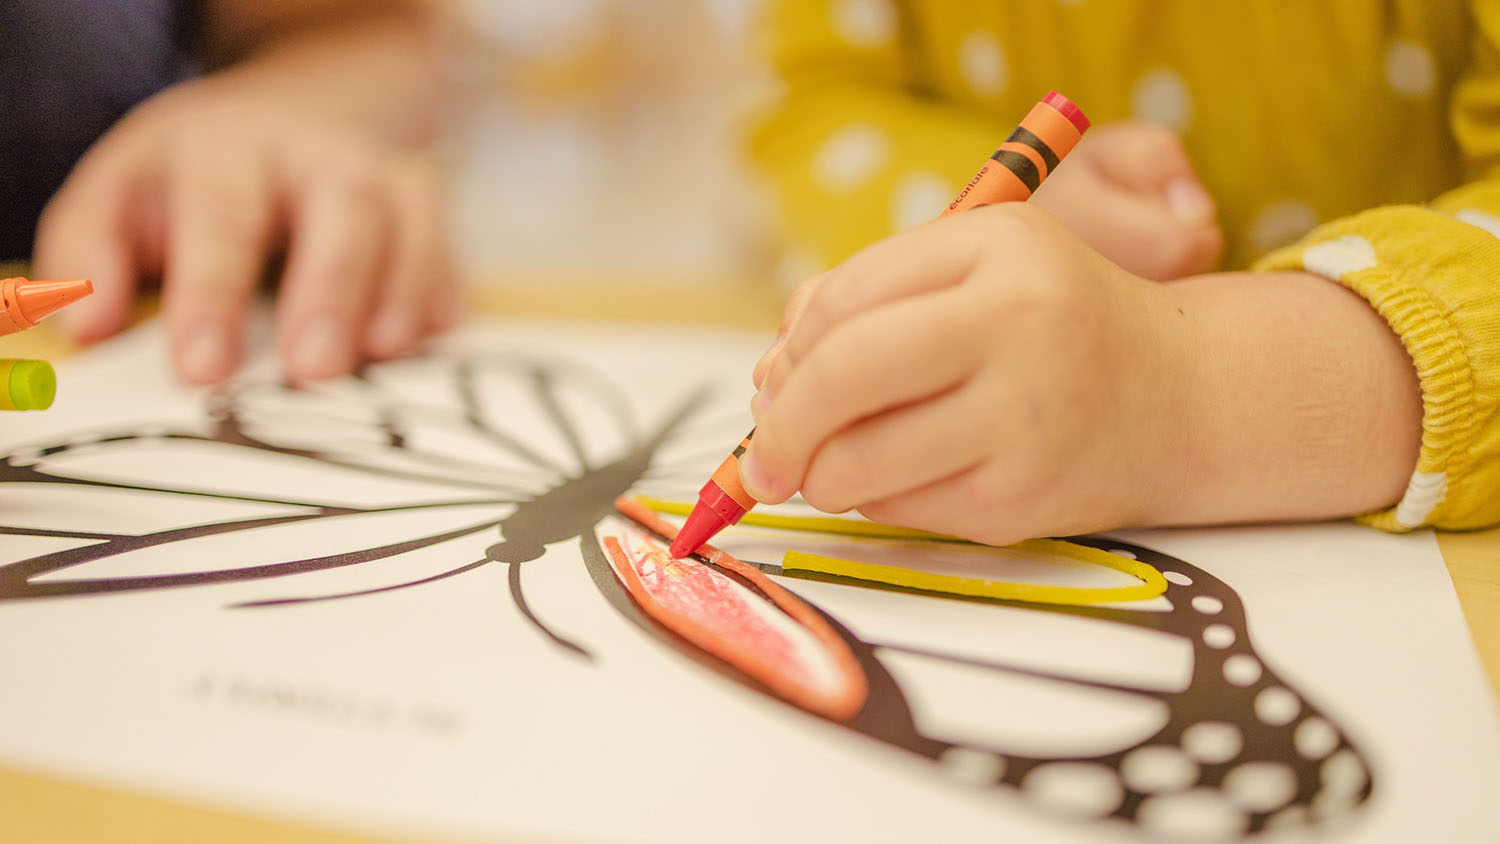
[
  {"x": 757, "y": 655},
  {"x": 1049, "y": 132},
  {"x": 24, "y": 303},
  {"x": 1056, "y": 130}
]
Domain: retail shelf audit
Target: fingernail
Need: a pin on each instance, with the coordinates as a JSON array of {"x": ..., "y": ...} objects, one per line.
[
  {"x": 1189, "y": 201},
  {"x": 203, "y": 357},
  {"x": 322, "y": 349},
  {"x": 754, "y": 477}
]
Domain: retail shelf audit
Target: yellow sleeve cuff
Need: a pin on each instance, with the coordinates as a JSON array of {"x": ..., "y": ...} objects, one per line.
[{"x": 1436, "y": 280}]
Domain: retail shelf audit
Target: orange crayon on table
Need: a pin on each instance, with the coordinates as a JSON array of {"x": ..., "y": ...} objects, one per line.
[
  {"x": 1048, "y": 133},
  {"x": 24, "y": 303}
]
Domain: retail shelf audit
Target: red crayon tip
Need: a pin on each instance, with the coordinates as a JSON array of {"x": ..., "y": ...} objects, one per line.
[
  {"x": 24, "y": 303},
  {"x": 1068, "y": 110},
  {"x": 715, "y": 510}
]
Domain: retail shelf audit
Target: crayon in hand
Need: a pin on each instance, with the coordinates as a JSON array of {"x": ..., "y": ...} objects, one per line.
[
  {"x": 1048, "y": 133},
  {"x": 24, "y": 303}
]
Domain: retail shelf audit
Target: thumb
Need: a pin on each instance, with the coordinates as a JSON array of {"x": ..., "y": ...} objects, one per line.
[{"x": 1144, "y": 158}]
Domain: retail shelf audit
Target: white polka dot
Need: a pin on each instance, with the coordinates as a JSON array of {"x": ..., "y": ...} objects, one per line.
[
  {"x": 919, "y": 198},
  {"x": 1242, "y": 670},
  {"x": 849, "y": 157},
  {"x": 981, "y": 60},
  {"x": 1129, "y": 555},
  {"x": 864, "y": 23},
  {"x": 1334, "y": 259},
  {"x": 1473, "y": 217},
  {"x": 1178, "y": 578},
  {"x": 1424, "y": 493},
  {"x": 1280, "y": 223},
  {"x": 1409, "y": 70},
  {"x": 1277, "y": 706},
  {"x": 1162, "y": 97}
]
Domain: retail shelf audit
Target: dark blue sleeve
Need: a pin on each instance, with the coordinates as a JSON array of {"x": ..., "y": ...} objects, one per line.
[{"x": 68, "y": 70}]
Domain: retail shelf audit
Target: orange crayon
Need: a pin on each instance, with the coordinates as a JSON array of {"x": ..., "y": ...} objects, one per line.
[
  {"x": 24, "y": 303},
  {"x": 1047, "y": 134}
]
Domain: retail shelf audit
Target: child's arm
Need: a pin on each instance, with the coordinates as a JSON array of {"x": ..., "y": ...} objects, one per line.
[
  {"x": 856, "y": 153},
  {"x": 991, "y": 376},
  {"x": 303, "y": 139}
]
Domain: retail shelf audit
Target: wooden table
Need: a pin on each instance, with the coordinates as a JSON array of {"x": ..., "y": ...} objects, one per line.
[{"x": 35, "y": 807}]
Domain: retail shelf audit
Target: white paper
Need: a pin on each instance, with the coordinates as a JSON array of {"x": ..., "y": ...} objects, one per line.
[{"x": 439, "y": 710}]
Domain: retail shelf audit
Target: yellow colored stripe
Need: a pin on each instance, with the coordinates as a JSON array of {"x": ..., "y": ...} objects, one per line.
[
  {"x": 1151, "y": 585},
  {"x": 807, "y": 524}
]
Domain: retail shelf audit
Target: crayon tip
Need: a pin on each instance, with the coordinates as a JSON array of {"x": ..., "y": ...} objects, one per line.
[
  {"x": 38, "y": 300},
  {"x": 32, "y": 385},
  {"x": 701, "y": 525},
  {"x": 1068, "y": 109}
]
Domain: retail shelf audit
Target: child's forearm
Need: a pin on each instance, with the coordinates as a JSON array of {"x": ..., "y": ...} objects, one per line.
[
  {"x": 1302, "y": 404},
  {"x": 374, "y": 63}
]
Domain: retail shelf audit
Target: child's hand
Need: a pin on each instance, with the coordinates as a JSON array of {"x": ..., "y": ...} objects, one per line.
[
  {"x": 987, "y": 375},
  {"x": 206, "y": 184},
  {"x": 1129, "y": 191}
]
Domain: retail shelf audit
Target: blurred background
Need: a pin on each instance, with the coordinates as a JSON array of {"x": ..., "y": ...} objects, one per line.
[{"x": 600, "y": 142}]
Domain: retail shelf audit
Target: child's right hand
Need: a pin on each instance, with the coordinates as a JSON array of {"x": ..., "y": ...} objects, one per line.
[
  {"x": 988, "y": 375},
  {"x": 1129, "y": 191}
]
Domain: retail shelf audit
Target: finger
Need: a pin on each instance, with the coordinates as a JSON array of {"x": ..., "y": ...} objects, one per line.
[
  {"x": 795, "y": 305},
  {"x": 1140, "y": 156},
  {"x": 881, "y": 359},
  {"x": 960, "y": 505},
  {"x": 86, "y": 232},
  {"x": 1142, "y": 234},
  {"x": 334, "y": 266},
  {"x": 220, "y": 222},
  {"x": 1138, "y": 231},
  {"x": 925, "y": 259},
  {"x": 412, "y": 301},
  {"x": 900, "y": 450}
]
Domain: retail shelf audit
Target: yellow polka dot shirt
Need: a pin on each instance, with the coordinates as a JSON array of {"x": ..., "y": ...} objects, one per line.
[{"x": 1355, "y": 139}]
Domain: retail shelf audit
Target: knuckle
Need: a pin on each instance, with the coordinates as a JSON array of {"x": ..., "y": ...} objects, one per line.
[
  {"x": 835, "y": 478},
  {"x": 360, "y": 179},
  {"x": 823, "y": 378}
]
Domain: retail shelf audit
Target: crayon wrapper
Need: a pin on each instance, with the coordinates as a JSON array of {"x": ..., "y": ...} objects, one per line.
[{"x": 727, "y": 478}]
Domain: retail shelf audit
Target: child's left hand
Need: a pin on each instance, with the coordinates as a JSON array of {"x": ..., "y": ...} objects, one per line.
[{"x": 987, "y": 375}]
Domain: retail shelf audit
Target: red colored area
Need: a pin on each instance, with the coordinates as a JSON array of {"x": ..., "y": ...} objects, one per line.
[{"x": 729, "y": 621}]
